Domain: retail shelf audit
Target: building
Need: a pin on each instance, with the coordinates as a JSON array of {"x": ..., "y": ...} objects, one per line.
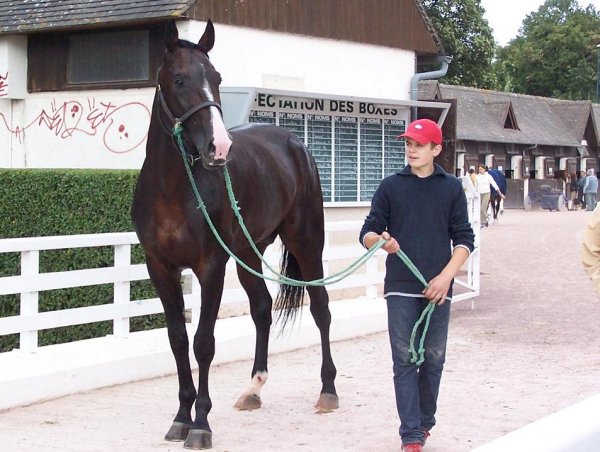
[
  {"x": 534, "y": 140},
  {"x": 79, "y": 77}
]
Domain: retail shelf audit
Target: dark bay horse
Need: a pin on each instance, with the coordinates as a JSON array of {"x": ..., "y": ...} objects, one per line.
[
  {"x": 495, "y": 199},
  {"x": 277, "y": 186}
]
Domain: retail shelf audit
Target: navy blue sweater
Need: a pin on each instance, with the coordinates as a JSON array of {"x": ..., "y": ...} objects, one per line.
[{"x": 427, "y": 216}]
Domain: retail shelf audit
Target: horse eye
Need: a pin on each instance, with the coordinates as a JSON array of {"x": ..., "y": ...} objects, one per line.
[{"x": 178, "y": 81}]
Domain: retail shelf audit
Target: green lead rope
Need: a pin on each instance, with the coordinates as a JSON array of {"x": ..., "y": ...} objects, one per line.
[{"x": 281, "y": 279}]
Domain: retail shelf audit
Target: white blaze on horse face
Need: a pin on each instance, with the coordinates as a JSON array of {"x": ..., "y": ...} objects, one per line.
[{"x": 221, "y": 138}]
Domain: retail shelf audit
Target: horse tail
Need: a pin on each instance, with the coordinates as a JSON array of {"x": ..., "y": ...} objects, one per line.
[{"x": 290, "y": 298}]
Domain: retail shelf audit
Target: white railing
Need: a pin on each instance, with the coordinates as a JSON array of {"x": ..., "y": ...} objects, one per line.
[
  {"x": 470, "y": 281},
  {"x": 31, "y": 282}
]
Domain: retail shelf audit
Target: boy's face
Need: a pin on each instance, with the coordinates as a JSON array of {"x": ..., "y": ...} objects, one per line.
[{"x": 420, "y": 156}]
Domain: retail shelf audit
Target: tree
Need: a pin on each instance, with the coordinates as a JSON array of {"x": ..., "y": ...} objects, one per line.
[
  {"x": 467, "y": 37},
  {"x": 554, "y": 54}
]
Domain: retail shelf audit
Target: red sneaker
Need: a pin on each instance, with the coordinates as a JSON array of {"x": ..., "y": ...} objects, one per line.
[{"x": 414, "y": 447}]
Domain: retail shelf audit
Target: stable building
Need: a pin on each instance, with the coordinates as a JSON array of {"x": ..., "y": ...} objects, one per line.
[{"x": 533, "y": 140}]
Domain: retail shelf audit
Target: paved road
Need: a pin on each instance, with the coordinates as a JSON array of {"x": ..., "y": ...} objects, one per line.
[{"x": 530, "y": 347}]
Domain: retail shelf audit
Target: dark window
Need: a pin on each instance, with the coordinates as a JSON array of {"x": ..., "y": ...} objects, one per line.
[
  {"x": 95, "y": 59},
  {"x": 122, "y": 56}
]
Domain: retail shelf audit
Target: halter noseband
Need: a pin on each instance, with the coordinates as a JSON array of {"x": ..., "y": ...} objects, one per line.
[{"x": 179, "y": 121}]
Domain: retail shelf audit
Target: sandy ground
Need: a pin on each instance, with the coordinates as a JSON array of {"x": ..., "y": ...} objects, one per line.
[{"x": 530, "y": 347}]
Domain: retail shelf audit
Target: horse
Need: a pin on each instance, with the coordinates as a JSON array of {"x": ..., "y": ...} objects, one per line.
[
  {"x": 279, "y": 193},
  {"x": 495, "y": 199}
]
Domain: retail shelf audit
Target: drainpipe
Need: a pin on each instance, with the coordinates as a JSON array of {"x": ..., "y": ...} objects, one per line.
[{"x": 414, "y": 82}]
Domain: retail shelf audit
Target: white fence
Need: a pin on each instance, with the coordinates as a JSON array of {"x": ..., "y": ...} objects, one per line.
[
  {"x": 31, "y": 282},
  {"x": 31, "y": 373},
  {"x": 572, "y": 429}
]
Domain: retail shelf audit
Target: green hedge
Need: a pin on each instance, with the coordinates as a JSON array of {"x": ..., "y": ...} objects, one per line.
[{"x": 65, "y": 202}]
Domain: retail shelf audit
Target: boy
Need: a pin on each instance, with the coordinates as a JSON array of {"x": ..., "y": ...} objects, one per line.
[{"x": 423, "y": 209}]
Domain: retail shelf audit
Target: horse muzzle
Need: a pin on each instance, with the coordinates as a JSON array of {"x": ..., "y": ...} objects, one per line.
[{"x": 217, "y": 153}]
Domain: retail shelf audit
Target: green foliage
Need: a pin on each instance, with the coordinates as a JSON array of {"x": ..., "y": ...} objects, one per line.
[
  {"x": 555, "y": 53},
  {"x": 64, "y": 202},
  {"x": 467, "y": 37}
]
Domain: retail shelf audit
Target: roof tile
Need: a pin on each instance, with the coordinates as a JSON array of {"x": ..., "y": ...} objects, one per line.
[
  {"x": 26, "y": 16},
  {"x": 481, "y": 116}
]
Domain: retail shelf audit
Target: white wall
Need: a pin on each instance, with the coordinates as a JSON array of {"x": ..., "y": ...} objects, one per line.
[
  {"x": 5, "y": 135},
  {"x": 107, "y": 128},
  {"x": 77, "y": 129},
  {"x": 249, "y": 57}
]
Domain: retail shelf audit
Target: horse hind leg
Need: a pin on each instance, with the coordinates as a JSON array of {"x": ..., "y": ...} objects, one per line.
[
  {"x": 319, "y": 308},
  {"x": 305, "y": 263},
  {"x": 260, "y": 310}
]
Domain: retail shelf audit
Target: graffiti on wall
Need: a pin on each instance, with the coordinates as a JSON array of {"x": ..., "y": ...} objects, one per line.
[
  {"x": 4, "y": 84},
  {"x": 121, "y": 128}
]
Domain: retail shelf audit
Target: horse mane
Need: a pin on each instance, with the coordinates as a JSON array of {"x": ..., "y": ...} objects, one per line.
[{"x": 184, "y": 44}]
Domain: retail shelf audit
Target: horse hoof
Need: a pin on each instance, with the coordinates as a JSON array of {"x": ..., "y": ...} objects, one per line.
[
  {"x": 177, "y": 432},
  {"x": 248, "y": 402},
  {"x": 327, "y": 403},
  {"x": 198, "y": 440}
]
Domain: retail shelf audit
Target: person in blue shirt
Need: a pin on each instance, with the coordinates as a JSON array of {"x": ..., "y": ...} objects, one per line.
[
  {"x": 422, "y": 209},
  {"x": 590, "y": 190}
]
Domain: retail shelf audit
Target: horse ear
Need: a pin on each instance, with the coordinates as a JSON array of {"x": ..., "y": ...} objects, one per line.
[
  {"x": 207, "y": 41},
  {"x": 171, "y": 35}
]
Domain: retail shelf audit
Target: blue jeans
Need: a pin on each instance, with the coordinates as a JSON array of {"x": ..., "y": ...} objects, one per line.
[
  {"x": 416, "y": 388},
  {"x": 590, "y": 201}
]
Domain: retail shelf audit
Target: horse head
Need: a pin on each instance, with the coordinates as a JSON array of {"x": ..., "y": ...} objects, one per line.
[{"x": 188, "y": 89}]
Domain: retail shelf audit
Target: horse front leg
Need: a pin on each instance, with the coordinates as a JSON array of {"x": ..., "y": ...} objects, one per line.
[
  {"x": 167, "y": 282},
  {"x": 260, "y": 310},
  {"x": 211, "y": 279}
]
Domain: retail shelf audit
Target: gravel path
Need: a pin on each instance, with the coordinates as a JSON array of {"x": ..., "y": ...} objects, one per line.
[{"x": 530, "y": 347}]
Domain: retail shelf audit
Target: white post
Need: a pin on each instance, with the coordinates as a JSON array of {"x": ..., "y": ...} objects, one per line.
[
  {"x": 30, "y": 266},
  {"x": 122, "y": 290},
  {"x": 475, "y": 275},
  {"x": 460, "y": 163},
  {"x": 539, "y": 167},
  {"x": 517, "y": 166}
]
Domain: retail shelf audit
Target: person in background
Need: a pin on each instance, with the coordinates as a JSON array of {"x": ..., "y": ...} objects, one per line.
[
  {"x": 473, "y": 176},
  {"x": 484, "y": 183},
  {"x": 573, "y": 190},
  {"x": 423, "y": 209},
  {"x": 590, "y": 190},
  {"x": 468, "y": 185},
  {"x": 580, "y": 184}
]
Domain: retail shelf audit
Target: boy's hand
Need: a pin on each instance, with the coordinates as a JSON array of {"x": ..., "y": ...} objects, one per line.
[
  {"x": 438, "y": 289},
  {"x": 391, "y": 245}
]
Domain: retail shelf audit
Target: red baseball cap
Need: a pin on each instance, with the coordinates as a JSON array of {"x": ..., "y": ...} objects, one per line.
[{"x": 423, "y": 131}]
